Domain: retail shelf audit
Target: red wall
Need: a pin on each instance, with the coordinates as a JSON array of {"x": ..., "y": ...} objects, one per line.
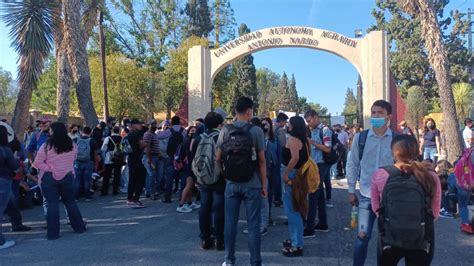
[{"x": 398, "y": 104}]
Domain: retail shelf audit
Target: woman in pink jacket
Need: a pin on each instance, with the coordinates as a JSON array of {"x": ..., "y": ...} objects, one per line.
[
  {"x": 55, "y": 163},
  {"x": 406, "y": 197}
]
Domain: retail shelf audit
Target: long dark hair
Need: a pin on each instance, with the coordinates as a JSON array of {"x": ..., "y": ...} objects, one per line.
[
  {"x": 59, "y": 139},
  {"x": 3, "y": 136},
  {"x": 426, "y": 122},
  {"x": 405, "y": 152},
  {"x": 299, "y": 129},
  {"x": 271, "y": 137}
]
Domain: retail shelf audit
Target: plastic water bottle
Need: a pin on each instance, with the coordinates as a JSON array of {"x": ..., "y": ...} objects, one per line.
[{"x": 354, "y": 216}]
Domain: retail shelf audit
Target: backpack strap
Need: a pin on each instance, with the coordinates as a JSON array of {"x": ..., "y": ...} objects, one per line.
[
  {"x": 392, "y": 171},
  {"x": 362, "y": 140}
]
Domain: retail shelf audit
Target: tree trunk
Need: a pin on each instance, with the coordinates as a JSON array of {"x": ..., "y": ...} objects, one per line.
[
  {"x": 439, "y": 62},
  {"x": 21, "y": 115},
  {"x": 77, "y": 55},
  {"x": 64, "y": 72}
]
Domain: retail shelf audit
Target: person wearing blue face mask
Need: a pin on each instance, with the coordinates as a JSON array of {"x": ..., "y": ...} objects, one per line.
[{"x": 370, "y": 150}]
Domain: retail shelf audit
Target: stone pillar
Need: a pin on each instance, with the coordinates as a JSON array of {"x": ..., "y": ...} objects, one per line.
[
  {"x": 199, "y": 82},
  {"x": 375, "y": 71}
]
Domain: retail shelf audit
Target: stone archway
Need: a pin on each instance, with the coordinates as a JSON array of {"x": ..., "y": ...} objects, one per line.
[{"x": 369, "y": 55}]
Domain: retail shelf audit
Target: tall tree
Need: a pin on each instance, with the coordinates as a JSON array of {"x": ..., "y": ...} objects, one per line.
[
  {"x": 199, "y": 16},
  {"x": 417, "y": 107},
  {"x": 222, "y": 17},
  {"x": 267, "y": 82},
  {"x": 5, "y": 88},
  {"x": 76, "y": 51},
  {"x": 350, "y": 104},
  {"x": 409, "y": 62},
  {"x": 294, "y": 104},
  {"x": 243, "y": 77},
  {"x": 432, "y": 39},
  {"x": 32, "y": 23}
]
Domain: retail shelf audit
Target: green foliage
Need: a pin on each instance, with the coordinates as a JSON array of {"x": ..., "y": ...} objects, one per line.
[
  {"x": 408, "y": 56},
  {"x": 226, "y": 24},
  {"x": 267, "y": 82},
  {"x": 176, "y": 74},
  {"x": 199, "y": 18},
  {"x": 464, "y": 99},
  {"x": 350, "y": 104},
  {"x": 7, "y": 93},
  {"x": 243, "y": 76},
  {"x": 44, "y": 97},
  {"x": 130, "y": 87},
  {"x": 417, "y": 106},
  {"x": 293, "y": 100}
]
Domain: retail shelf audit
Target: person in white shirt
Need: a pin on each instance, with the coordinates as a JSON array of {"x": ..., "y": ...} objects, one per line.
[
  {"x": 468, "y": 133},
  {"x": 344, "y": 139}
]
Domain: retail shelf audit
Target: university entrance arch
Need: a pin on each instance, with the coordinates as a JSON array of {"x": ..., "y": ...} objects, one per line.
[{"x": 369, "y": 55}]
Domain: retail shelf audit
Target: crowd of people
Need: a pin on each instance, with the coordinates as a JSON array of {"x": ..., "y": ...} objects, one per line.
[{"x": 216, "y": 166}]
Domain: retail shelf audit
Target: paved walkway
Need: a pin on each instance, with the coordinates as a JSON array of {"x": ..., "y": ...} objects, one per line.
[{"x": 158, "y": 235}]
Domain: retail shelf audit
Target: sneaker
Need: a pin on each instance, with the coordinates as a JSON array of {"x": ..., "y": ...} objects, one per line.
[
  {"x": 227, "y": 264},
  {"x": 194, "y": 205},
  {"x": 320, "y": 228},
  {"x": 308, "y": 234},
  {"x": 138, "y": 204},
  {"x": 246, "y": 231},
  {"x": 264, "y": 232},
  {"x": 184, "y": 209},
  {"x": 329, "y": 204},
  {"x": 207, "y": 244},
  {"x": 219, "y": 245},
  {"x": 21, "y": 228},
  {"x": 130, "y": 203},
  {"x": 445, "y": 214},
  {"x": 7, "y": 244},
  {"x": 292, "y": 252},
  {"x": 467, "y": 228}
]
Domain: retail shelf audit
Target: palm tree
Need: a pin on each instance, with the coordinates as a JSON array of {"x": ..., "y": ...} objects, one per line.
[
  {"x": 34, "y": 25},
  {"x": 463, "y": 98},
  {"x": 438, "y": 59}
]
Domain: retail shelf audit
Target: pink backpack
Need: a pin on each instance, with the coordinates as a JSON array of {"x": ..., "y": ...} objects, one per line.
[{"x": 464, "y": 170}]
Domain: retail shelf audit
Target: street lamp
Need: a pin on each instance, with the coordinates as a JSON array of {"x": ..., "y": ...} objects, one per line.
[{"x": 358, "y": 33}]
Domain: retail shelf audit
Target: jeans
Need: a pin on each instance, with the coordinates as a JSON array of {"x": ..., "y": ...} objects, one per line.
[
  {"x": 366, "y": 223},
  {"x": 276, "y": 175},
  {"x": 13, "y": 209},
  {"x": 170, "y": 174},
  {"x": 125, "y": 177},
  {"x": 235, "y": 194},
  {"x": 152, "y": 174},
  {"x": 341, "y": 164},
  {"x": 211, "y": 213},
  {"x": 83, "y": 178},
  {"x": 463, "y": 200},
  {"x": 136, "y": 180},
  {"x": 317, "y": 201},
  {"x": 109, "y": 169},
  {"x": 327, "y": 179},
  {"x": 295, "y": 221},
  {"x": 52, "y": 190},
  {"x": 265, "y": 212},
  {"x": 5, "y": 196},
  {"x": 429, "y": 153}
]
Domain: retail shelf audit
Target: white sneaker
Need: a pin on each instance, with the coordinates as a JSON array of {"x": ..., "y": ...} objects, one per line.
[
  {"x": 184, "y": 209},
  {"x": 195, "y": 205},
  {"x": 7, "y": 244},
  {"x": 329, "y": 204}
]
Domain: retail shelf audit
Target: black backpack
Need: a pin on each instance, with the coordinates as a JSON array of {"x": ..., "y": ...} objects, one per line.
[
  {"x": 175, "y": 140},
  {"x": 238, "y": 154},
  {"x": 336, "y": 148},
  {"x": 405, "y": 215}
]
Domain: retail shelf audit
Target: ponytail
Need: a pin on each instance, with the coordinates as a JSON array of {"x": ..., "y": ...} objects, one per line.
[{"x": 422, "y": 172}]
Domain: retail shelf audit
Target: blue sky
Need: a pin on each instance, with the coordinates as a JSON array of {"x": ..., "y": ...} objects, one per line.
[{"x": 320, "y": 76}]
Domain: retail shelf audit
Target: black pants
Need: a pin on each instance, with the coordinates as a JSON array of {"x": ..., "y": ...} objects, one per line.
[
  {"x": 341, "y": 164},
  {"x": 136, "y": 180},
  {"x": 393, "y": 256},
  {"x": 109, "y": 169}
]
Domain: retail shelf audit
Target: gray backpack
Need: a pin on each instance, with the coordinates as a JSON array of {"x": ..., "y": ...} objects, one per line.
[
  {"x": 83, "y": 149},
  {"x": 204, "y": 162}
]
